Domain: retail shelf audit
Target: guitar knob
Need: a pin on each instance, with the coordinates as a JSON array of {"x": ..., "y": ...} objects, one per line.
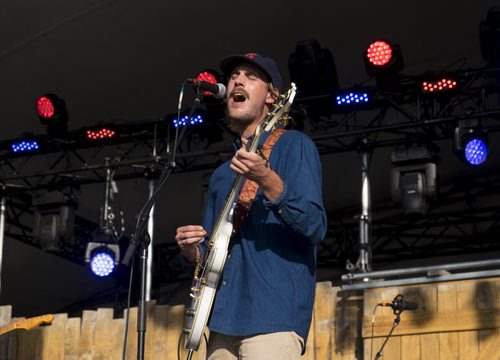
[
  {"x": 186, "y": 330},
  {"x": 190, "y": 312}
]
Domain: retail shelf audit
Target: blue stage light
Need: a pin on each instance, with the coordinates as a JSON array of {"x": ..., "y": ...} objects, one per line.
[
  {"x": 352, "y": 98},
  {"x": 470, "y": 142},
  {"x": 102, "y": 257},
  {"x": 24, "y": 146},
  {"x": 195, "y": 120},
  {"x": 102, "y": 263},
  {"x": 476, "y": 151}
]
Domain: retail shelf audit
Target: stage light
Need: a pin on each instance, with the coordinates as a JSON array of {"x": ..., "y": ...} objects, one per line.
[
  {"x": 352, "y": 99},
  {"x": 212, "y": 77},
  {"x": 414, "y": 177},
  {"x": 23, "y": 146},
  {"x": 100, "y": 133},
  {"x": 383, "y": 60},
  {"x": 183, "y": 121},
  {"x": 489, "y": 35},
  {"x": 312, "y": 68},
  {"x": 51, "y": 111},
  {"x": 438, "y": 86},
  {"x": 102, "y": 258},
  {"x": 470, "y": 143},
  {"x": 54, "y": 219}
]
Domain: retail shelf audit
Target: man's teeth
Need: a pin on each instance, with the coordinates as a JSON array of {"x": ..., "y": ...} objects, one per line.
[{"x": 239, "y": 97}]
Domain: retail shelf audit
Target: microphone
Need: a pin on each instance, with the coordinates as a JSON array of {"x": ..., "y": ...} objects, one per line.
[
  {"x": 218, "y": 90},
  {"x": 398, "y": 304}
]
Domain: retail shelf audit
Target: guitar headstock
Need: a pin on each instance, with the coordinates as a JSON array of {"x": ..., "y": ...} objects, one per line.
[
  {"x": 31, "y": 323},
  {"x": 279, "y": 108}
]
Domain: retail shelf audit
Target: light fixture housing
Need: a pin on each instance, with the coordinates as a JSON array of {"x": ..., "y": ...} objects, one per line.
[
  {"x": 312, "y": 69},
  {"x": 54, "y": 219},
  {"x": 470, "y": 142},
  {"x": 489, "y": 35},
  {"x": 414, "y": 179}
]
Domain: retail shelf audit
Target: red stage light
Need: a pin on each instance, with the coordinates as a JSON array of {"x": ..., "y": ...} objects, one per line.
[
  {"x": 379, "y": 53},
  {"x": 208, "y": 76},
  {"x": 52, "y": 113},
  {"x": 99, "y": 134},
  {"x": 45, "y": 107},
  {"x": 439, "y": 85},
  {"x": 383, "y": 60}
]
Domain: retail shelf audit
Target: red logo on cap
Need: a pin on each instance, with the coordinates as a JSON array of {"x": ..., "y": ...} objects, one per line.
[{"x": 251, "y": 55}]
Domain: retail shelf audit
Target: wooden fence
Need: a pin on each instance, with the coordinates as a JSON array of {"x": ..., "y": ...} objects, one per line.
[{"x": 455, "y": 320}]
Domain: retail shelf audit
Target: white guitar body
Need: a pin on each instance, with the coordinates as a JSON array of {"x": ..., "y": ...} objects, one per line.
[
  {"x": 203, "y": 290},
  {"x": 209, "y": 270}
]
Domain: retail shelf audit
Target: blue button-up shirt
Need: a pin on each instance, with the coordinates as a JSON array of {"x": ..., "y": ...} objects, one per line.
[{"x": 269, "y": 277}]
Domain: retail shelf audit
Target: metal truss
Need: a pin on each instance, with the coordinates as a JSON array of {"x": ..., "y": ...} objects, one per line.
[
  {"x": 464, "y": 220},
  {"x": 397, "y": 115}
]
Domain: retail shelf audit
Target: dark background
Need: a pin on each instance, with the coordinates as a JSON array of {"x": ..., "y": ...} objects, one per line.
[{"x": 126, "y": 60}]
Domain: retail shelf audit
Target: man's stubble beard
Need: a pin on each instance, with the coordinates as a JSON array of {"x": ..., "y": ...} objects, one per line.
[{"x": 239, "y": 123}]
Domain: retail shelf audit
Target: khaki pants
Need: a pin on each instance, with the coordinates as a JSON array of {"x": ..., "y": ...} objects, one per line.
[{"x": 273, "y": 346}]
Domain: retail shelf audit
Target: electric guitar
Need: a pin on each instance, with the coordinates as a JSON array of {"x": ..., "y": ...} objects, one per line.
[
  {"x": 27, "y": 324},
  {"x": 209, "y": 269}
]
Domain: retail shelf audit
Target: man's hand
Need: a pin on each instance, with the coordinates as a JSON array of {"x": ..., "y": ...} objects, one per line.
[
  {"x": 254, "y": 167},
  {"x": 188, "y": 237}
]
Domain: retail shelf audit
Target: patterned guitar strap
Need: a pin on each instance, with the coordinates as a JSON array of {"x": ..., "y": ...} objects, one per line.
[{"x": 250, "y": 187}]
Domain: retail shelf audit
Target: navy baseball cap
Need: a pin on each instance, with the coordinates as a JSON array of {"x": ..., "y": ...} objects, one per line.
[{"x": 267, "y": 65}]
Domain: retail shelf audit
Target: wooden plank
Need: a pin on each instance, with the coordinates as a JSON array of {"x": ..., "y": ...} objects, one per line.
[
  {"x": 466, "y": 300},
  {"x": 466, "y": 295},
  {"x": 157, "y": 331},
  {"x": 468, "y": 343},
  {"x": 72, "y": 339},
  {"x": 29, "y": 344},
  {"x": 8, "y": 339},
  {"x": 323, "y": 321},
  {"x": 371, "y": 347},
  {"x": 410, "y": 347},
  {"x": 5, "y": 315},
  {"x": 448, "y": 346},
  {"x": 429, "y": 346},
  {"x": 489, "y": 345},
  {"x": 335, "y": 291},
  {"x": 87, "y": 330},
  {"x": 132, "y": 334},
  {"x": 175, "y": 322},
  {"x": 437, "y": 322},
  {"x": 105, "y": 341},
  {"x": 486, "y": 293},
  {"x": 392, "y": 349},
  {"x": 447, "y": 303},
  {"x": 348, "y": 314},
  {"x": 426, "y": 299},
  {"x": 53, "y": 338}
]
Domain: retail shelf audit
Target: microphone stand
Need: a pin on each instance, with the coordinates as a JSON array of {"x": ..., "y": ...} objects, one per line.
[
  {"x": 394, "y": 324},
  {"x": 397, "y": 312},
  {"x": 141, "y": 238}
]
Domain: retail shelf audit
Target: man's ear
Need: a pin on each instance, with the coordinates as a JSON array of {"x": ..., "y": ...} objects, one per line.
[{"x": 272, "y": 96}]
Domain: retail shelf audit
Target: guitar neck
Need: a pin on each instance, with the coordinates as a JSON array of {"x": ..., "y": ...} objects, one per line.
[{"x": 7, "y": 328}]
